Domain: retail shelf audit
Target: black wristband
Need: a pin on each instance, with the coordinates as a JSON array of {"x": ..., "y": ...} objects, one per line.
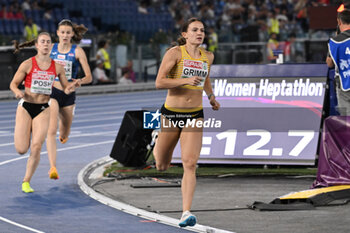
[{"x": 210, "y": 95}]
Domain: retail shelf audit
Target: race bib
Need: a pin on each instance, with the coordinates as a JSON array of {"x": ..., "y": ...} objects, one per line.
[
  {"x": 68, "y": 66},
  {"x": 42, "y": 83},
  {"x": 195, "y": 68}
]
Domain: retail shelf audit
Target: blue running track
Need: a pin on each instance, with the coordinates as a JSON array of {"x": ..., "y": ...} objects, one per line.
[{"x": 59, "y": 205}]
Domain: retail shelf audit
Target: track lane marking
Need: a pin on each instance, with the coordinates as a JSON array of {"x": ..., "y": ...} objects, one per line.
[
  {"x": 80, "y": 127},
  {"x": 20, "y": 225},
  {"x": 104, "y": 133},
  {"x": 61, "y": 149}
]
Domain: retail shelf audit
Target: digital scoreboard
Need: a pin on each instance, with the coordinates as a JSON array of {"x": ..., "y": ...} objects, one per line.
[{"x": 270, "y": 114}]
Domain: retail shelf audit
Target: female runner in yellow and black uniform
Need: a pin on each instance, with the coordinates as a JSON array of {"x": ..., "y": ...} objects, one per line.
[{"x": 185, "y": 73}]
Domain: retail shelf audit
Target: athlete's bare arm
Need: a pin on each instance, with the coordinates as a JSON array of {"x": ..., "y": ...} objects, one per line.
[
  {"x": 171, "y": 58},
  {"x": 80, "y": 55},
  {"x": 19, "y": 76},
  {"x": 207, "y": 85}
]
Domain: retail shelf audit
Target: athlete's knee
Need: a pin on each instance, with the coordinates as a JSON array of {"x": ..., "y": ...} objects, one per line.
[
  {"x": 51, "y": 133},
  {"x": 189, "y": 163},
  {"x": 21, "y": 150},
  {"x": 52, "y": 130},
  {"x": 161, "y": 163},
  {"x": 21, "y": 145},
  {"x": 36, "y": 147},
  {"x": 162, "y": 167}
]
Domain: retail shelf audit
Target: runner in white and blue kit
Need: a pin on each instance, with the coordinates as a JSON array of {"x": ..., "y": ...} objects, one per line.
[
  {"x": 62, "y": 106},
  {"x": 68, "y": 60}
]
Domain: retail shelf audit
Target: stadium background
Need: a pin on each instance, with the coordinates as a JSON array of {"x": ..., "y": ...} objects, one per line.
[
  {"x": 143, "y": 39},
  {"x": 141, "y": 30}
]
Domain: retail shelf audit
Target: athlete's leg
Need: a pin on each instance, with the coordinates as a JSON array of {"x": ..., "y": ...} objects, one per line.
[
  {"x": 40, "y": 125},
  {"x": 66, "y": 119},
  {"x": 52, "y": 133},
  {"x": 164, "y": 147},
  {"x": 191, "y": 144},
  {"x": 22, "y": 130}
]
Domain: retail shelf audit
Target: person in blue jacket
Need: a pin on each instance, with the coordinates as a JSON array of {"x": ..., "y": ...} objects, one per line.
[{"x": 339, "y": 57}]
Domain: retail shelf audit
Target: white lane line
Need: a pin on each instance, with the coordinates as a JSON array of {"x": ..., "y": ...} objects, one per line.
[
  {"x": 96, "y": 126},
  {"x": 6, "y": 144},
  {"x": 61, "y": 149},
  {"x": 6, "y": 135},
  {"x": 80, "y": 121},
  {"x": 8, "y": 154},
  {"x": 101, "y": 119},
  {"x": 8, "y": 115},
  {"x": 120, "y": 102},
  {"x": 100, "y": 107},
  {"x": 13, "y": 160},
  {"x": 126, "y": 95},
  {"x": 20, "y": 225},
  {"x": 104, "y": 133},
  {"x": 7, "y": 121},
  {"x": 5, "y": 132},
  {"x": 79, "y": 108},
  {"x": 138, "y": 98},
  {"x": 126, "y": 208},
  {"x": 8, "y": 110},
  {"x": 80, "y": 127},
  {"x": 82, "y": 113}
]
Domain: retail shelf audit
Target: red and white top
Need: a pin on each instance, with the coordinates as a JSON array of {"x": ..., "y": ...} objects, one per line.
[{"x": 40, "y": 81}]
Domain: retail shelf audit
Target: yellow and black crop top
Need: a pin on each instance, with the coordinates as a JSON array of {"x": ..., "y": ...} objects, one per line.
[{"x": 188, "y": 67}]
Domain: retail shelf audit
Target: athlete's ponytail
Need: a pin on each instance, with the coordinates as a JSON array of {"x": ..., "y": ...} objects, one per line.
[
  {"x": 181, "y": 41},
  {"x": 79, "y": 31},
  {"x": 18, "y": 46}
]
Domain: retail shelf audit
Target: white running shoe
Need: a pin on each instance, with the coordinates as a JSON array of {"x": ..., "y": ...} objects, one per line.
[{"x": 187, "y": 219}]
